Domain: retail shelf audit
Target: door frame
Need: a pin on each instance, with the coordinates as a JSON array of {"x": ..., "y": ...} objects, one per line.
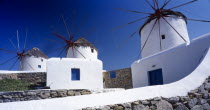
[{"x": 149, "y": 79}]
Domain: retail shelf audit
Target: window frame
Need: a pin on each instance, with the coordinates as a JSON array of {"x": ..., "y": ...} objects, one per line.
[
  {"x": 163, "y": 36},
  {"x": 92, "y": 50},
  {"x": 79, "y": 75},
  {"x": 40, "y": 66}
]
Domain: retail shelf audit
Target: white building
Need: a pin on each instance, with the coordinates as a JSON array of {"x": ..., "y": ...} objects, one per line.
[
  {"x": 33, "y": 60},
  {"x": 175, "y": 60},
  {"x": 80, "y": 70}
]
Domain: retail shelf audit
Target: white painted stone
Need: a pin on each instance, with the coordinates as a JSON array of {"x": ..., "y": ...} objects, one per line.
[
  {"x": 179, "y": 88},
  {"x": 59, "y": 73},
  {"x": 172, "y": 39},
  {"x": 31, "y": 63},
  {"x": 176, "y": 63},
  {"x": 81, "y": 51}
]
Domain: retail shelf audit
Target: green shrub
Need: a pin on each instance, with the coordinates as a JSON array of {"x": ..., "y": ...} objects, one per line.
[{"x": 13, "y": 85}]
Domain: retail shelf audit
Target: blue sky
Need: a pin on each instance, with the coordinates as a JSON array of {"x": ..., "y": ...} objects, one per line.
[{"x": 41, "y": 19}]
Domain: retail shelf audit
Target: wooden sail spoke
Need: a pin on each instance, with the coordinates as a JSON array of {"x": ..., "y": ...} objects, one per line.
[
  {"x": 29, "y": 65},
  {"x": 160, "y": 34},
  {"x": 62, "y": 51},
  {"x": 91, "y": 31},
  {"x": 67, "y": 29},
  {"x": 133, "y": 11},
  {"x": 129, "y": 38},
  {"x": 56, "y": 50},
  {"x": 183, "y": 4},
  {"x": 131, "y": 22},
  {"x": 18, "y": 41},
  {"x": 148, "y": 36},
  {"x": 79, "y": 52},
  {"x": 61, "y": 37},
  {"x": 54, "y": 41},
  {"x": 156, "y": 3},
  {"x": 72, "y": 48},
  {"x": 13, "y": 64},
  {"x": 198, "y": 20},
  {"x": 8, "y": 51},
  {"x": 166, "y": 3},
  {"x": 13, "y": 44},
  {"x": 81, "y": 24},
  {"x": 150, "y": 5},
  {"x": 8, "y": 60},
  {"x": 73, "y": 20},
  {"x": 25, "y": 39},
  {"x": 174, "y": 29}
]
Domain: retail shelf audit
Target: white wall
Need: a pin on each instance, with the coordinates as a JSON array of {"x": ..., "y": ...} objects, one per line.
[
  {"x": 59, "y": 73},
  {"x": 179, "y": 88},
  {"x": 15, "y": 72},
  {"x": 30, "y": 63},
  {"x": 86, "y": 51},
  {"x": 176, "y": 63},
  {"x": 172, "y": 39}
]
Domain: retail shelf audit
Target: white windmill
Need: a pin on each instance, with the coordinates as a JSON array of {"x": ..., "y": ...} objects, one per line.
[
  {"x": 163, "y": 32},
  {"x": 29, "y": 60}
]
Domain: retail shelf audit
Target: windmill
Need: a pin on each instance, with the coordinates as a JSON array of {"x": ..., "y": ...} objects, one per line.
[
  {"x": 70, "y": 45},
  {"x": 160, "y": 31},
  {"x": 23, "y": 56}
]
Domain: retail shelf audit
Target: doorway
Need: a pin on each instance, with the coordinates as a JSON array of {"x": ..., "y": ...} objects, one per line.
[{"x": 155, "y": 77}]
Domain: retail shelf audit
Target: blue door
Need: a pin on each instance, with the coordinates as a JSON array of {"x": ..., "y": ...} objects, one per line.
[
  {"x": 155, "y": 77},
  {"x": 75, "y": 74}
]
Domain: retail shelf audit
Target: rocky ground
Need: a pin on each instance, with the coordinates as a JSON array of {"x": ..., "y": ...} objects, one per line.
[{"x": 198, "y": 99}]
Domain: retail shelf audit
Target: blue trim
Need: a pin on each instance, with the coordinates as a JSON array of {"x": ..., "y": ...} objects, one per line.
[
  {"x": 75, "y": 74},
  {"x": 112, "y": 74}
]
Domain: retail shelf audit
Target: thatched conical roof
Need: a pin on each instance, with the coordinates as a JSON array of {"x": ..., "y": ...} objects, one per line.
[
  {"x": 85, "y": 43},
  {"x": 164, "y": 13},
  {"x": 36, "y": 53}
]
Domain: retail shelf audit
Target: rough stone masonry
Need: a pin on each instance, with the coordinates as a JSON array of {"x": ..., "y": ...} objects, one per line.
[
  {"x": 198, "y": 99},
  {"x": 122, "y": 79},
  {"x": 36, "y": 78},
  {"x": 39, "y": 94}
]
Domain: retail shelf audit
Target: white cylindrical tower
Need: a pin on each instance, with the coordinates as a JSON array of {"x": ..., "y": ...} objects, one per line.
[
  {"x": 33, "y": 60},
  {"x": 83, "y": 49},
  {"x": 170, "y": 33}
]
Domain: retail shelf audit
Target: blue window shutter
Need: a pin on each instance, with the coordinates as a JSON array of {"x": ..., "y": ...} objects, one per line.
[{"x": 75, "y": 74}]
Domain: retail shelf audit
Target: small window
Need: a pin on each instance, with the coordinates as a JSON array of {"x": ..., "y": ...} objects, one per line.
[
  {"x": 163, "y": 37},
  {"x": 39, "y": 66},
  {"x": 75, "y": 74},
  {"x": 92, "y": 50},
  {"x": 41, "y": 60},
  {"x": 112, "y": 74}
]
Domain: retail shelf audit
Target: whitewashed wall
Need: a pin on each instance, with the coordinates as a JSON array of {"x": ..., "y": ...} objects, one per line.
[
  {"x": 59, "y": 73},
  {"x": 179, "y": 88},
  {"x": 86, "y": 51},
  {"x": 172, "y": 39},
  {"x": 30, "y": 63},
  {"x": 176, "y": 63}
]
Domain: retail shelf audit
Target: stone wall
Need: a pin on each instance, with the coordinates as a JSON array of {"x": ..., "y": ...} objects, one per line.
[
  {"x": 198, "y": 99},
  {"x": 39, "y": 94},
  {"x": 123, "y": 79},
  {"x": 37, "y": 79}
]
